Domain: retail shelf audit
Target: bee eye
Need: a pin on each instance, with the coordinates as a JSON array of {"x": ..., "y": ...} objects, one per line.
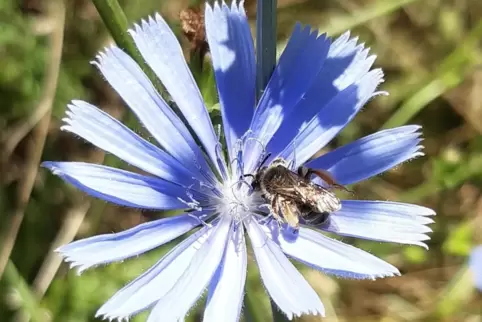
[{"x": 302, "y": 171}]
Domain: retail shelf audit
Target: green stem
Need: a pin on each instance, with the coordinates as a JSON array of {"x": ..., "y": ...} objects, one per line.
[
  {"x": 265, "y": 43},
  {"x": 265, "y": 64},
  {"x": 116, "y": 22},
  {"x": 28, "y": 301}
]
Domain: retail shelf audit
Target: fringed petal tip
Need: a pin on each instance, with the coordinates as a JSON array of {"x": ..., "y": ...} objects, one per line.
[
  {"x": 51, "y": 165},
  {"x": 111, "y": 318},
  {"x": 380, "y": 93},
  {"x": 310, "y": 30},
  {"x": 389, "y": 272},
  {"x": 74, "y": 263},
  {"x": 235, "y": 5},
  {"x": 78, "y": 268},
  {"x": 319, "y": 311},
  {"x": 393, "y": 272},
  {"x": 382, "y": 221},
  {"x": 312, "y": 311}
]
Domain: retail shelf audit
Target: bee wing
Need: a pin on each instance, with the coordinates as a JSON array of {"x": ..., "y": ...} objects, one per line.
[
  {"x": 299, "y": 189},
  {"x": 322, "y": 200},
  {"x": 315, "y": 197}
]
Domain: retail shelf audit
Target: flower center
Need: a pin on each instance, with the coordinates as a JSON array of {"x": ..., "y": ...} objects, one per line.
[{"x": 237, "y": 201}]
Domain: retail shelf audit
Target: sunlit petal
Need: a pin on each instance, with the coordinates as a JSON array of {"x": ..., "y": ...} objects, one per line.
[
  {"x": 226, "y": 291},
  {"x": 107, "y": 248},
  {"x": 148, "y": 288},
  {"x": 232, "y": 51},
  {"x": 381, "y": 221},
  {"x": 284, "y": 283},
  {"x": 371, "y": 155},
  {"x": 191, "y": 284},
  {"x": 162, "y": 51},
  {"x": 330, "y": 255}
]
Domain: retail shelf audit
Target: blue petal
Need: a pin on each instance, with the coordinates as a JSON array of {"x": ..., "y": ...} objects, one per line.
[
  {"x": 329, "y": 255},
  {"x": 161, "y": 50},
  {"x": 121, "y": 187},
  {"x": 346, "y": 63},
  {"x": 153, "y": 284},
  {"x": 475, "y": 264},
  {"x": 284, "y": 283},
  {"x": 226, "y": 290},
  {"x": 371, "y": 155},
  {"x": 294, "y": 75},
  {"x": 112, "y": 136},
  {"x": 134, "y": 87},
  {"x": 332, "y": 118},
  {"x": 381, "y": 221},
  {"x": 191, "y": 284},
  {"x": 107, "y": 248},
  {"x": 232, "y": 51}
]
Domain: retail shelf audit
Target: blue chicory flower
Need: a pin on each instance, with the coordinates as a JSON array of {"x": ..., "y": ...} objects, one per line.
[
  {"x": 318, "y": 86},
  {"x": 475, "y": 265}
]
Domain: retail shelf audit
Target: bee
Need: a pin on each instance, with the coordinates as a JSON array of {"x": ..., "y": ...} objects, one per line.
[{"x": 292, "y": 195}]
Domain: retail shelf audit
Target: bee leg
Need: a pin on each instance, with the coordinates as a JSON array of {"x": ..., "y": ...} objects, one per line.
[
  {"x": 328, "y": 178},
  {"x": 275, "y": 210}
]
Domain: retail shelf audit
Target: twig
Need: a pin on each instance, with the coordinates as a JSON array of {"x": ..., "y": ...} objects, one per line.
[
  {"x": 67, "y": 233},
  {"x": 39, "y": 134},
  {"x": 20, "y": 131}
]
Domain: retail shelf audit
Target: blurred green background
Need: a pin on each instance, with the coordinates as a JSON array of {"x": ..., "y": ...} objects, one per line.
[{"x": 431, "y": 52}]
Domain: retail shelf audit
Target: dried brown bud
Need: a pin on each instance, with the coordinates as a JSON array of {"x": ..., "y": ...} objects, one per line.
[{"x": 192, "y": 25}]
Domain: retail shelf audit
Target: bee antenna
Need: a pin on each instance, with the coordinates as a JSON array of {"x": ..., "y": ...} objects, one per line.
[
  {"x": 266, "y": 157},
  {"x": 293, "y": 165}
]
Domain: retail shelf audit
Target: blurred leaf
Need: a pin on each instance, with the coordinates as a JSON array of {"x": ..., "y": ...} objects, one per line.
[
  {"x": 472, "y": 166},
  {"x": 25, "y": 299},
  {"x": 79, "y": 297},
  {"x": 459, "y": 241},
  {"x": 203, "y": 73},
  {"x": 380, "y": 8},
  {"x": 339, "y": 24},
  {"x": 22, "y": 63},
  {"x": 415, "y": 254},
  {"x": 455, "y": 295},
  {"x": 451, "y": 73}
]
